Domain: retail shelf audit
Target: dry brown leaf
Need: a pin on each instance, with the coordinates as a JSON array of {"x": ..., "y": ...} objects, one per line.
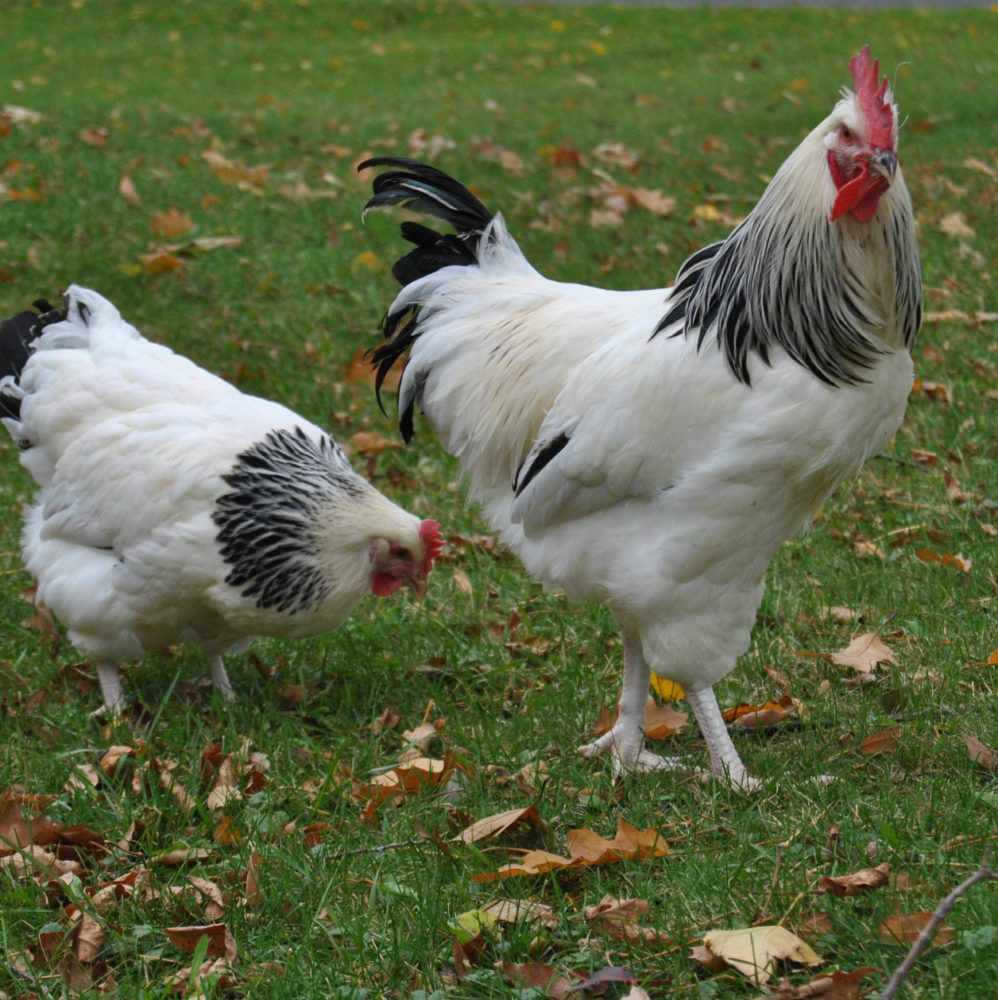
[
  {"x": 754, "y": 951},
  {"x": 864, "y": 653},
  {"x": 370, "y": 443},
  {"x": 221, "y": 943},
  {"x": 620, "y": 918},
  {"x": 94, "y": 136},
  {"x": 494, "y": 826},
  {"x": 128, "y": 191},
  {"x": 886, "y": 741},
  {"x": 904, "y": 928},
  {"x": 182, "y": 856},
  {"x": 251, "y": 887},
  {"x": 161, "y": 263},
  {"x": 113, "y": 754},
  {"x": 944, "y": 559},
  {"x": 837, "y": 986},
  {"x": 212, "y": 895},
  {"x": 586, "y": 848},
  {"x": 761, "y": 716},
  {"x": 515, "y": 911},
  {"x": 856, "y": 883},
  {"x": 89, "y": 938},
  {"x": 955, "y": 224},
  {"x": 980, "y": 753},
  {"x": 18, "y": 830},
  {"x": 170, "y": 224},
  {"x": 251, "y": 179},
  {"x": 463, "y": 582}
]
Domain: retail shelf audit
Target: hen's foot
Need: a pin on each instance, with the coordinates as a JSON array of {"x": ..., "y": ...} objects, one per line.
[
  {"x": 114, "y": 698},
  {"x": 220, "y": 679}
]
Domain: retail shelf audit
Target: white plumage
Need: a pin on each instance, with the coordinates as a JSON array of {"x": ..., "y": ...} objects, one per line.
[
  {"x": 175, "y": 508},
  {"x": 651, "y": 450}
]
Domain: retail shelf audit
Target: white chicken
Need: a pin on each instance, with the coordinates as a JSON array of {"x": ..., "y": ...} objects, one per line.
[
  {"x": 652, "y": 449},
  {"x": 173, "y": 507}
]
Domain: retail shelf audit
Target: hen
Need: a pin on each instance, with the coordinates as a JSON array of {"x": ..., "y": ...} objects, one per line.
[
  {"x": 652, "y": 449},
  {"x": 175, "y": 508}
]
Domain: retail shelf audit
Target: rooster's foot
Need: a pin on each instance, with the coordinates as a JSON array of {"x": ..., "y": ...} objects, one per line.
[{"x": 628, "y": 756}]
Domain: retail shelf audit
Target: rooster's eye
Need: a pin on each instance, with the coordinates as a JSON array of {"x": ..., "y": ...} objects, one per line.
[
  {"x": 401, "y": 553},
  {"x": 846, "y": 134}
]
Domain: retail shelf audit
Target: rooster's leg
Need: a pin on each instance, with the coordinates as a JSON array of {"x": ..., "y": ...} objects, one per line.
[
  {"x": 724, "y": 759},
  {"x": 220, "y": 678},
  {"x": 624, "y": 742},
  {"x": 110, "y": 688}
]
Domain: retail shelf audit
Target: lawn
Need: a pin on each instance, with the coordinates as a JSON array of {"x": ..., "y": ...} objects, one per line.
[{"x": 132, "y": 136}]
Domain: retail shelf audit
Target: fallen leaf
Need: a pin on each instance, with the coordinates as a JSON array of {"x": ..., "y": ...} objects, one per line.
[
  {"x": 515, "y": 911},
  {"x": 955, "y": 224},
  {"x": 370, "y": 443},
  {"x": 886, "y": 741},
  {"x": 904, "y": 929},
  {"x": 220, "y": 939},
  {"x": 251, "y": 179},
  {"x": 667, "y": 690},
  {"x": 94, "y": 136},
  {"x": 128, "y": 191},
  {"x": 856, "y": 883},
  {"x": 973, "y": 163},
  {"x": 586, "y": 848},
  {"x": 494, "y": 826},
  {"x": 89, "y": 938},
  {"x": 161, "y": 263},
  {"x": 944, "y": 559},
  {"x": 980, "y": 753},
  {"x": 182, "y": 856},
  {"x": 864, "y": 653},
  {"x": 21, "y": 116},
  {"x": 463, "y": 582},
  {"x": 170, "y": 224},
  {"x": 620, "y": 918},
  {"x": 754, "y": 951},
  {"x": 761, "y": 716}
]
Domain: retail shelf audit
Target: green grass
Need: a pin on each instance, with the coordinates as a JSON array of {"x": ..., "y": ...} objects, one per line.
[{"x": 709, "y": 103}]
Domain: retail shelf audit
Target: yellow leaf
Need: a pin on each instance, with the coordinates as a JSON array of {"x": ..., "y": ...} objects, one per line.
[
  {"x": 707, "y": 212},
  {"x": 366, "y": 260},
  {"x": 667, "y": 690}
]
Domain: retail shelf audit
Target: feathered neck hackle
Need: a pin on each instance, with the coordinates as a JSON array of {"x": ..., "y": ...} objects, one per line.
[{"x": 833, "y": 295}]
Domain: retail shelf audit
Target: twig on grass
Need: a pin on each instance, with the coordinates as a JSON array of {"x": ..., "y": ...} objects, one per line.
[{"x": 982, "y": 874}]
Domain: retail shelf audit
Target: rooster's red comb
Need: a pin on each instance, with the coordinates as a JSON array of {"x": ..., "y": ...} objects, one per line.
[
  {"x": 874, "y": 102},
  {"x": 433, "y": 540}
]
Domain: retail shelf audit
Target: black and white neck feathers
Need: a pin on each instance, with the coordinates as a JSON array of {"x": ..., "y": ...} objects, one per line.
[{"x": 833, "y": 295}]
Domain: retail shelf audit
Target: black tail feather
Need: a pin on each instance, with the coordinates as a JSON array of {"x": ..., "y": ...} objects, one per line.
[
  {"x": 427, "y": 191},
  {"x": 16, "y": 337},
  {"x": 421, "y": 188}
]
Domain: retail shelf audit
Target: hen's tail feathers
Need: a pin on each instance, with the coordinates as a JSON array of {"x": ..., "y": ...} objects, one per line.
[
  {"x": 17, "y": 335},
  {"x": 421, "y": 188}
]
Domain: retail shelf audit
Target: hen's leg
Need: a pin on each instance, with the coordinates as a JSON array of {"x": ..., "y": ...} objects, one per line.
[
  {"x": 724, "y": 759},
  {"x": 624, "y": 741},
  {"x": 220, "y": 678},
  {"x": 110, "y": 689}
]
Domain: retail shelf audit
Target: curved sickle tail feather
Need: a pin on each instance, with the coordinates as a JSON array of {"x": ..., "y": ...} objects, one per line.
[
  {"x": 17, "y": 334},
  {"x": 426, "y": 190}
]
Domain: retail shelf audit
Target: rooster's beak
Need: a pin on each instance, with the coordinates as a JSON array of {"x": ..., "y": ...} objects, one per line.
[{"x": 885, "y": 162}]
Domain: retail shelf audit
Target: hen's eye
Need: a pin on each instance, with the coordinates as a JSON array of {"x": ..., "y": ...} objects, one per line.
[
  {"x": 401, "y": 553},
  {"x": 846, "y": 134}
]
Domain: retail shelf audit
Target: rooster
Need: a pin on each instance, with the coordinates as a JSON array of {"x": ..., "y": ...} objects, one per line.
[
  {"x": 175, "y": 508},
  {"x": 651, "y": 450}
]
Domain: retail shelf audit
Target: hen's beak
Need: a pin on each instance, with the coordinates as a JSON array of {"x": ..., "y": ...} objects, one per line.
[
  {"x": 418, "y": 585},
  {"x": 885, "y": 163}
]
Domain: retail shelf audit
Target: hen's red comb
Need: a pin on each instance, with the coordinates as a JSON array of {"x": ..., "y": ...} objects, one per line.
[
  {"x": 433, "y": 540},
  {"x": 878, "y": 114}
]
